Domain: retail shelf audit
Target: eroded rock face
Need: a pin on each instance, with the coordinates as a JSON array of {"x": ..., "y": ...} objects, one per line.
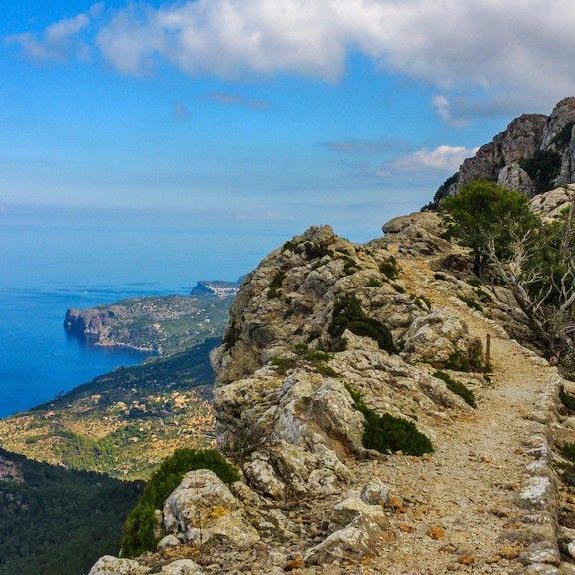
[
  {"x": 499, "y": 160},
  {"x": 514, "y": 178},
  {"x": 291, "y": 421},
  {"x": 521, "y": 139},
  {"x": 203, "y": 509}
]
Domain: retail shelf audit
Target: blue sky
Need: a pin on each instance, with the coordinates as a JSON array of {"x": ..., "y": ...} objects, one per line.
[{"x": 288, "y": 110}]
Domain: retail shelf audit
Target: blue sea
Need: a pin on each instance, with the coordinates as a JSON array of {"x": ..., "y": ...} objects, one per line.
[{"x": 53, "y": 259}]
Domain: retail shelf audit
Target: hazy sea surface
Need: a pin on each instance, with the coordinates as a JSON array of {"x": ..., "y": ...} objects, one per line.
[{"x": 52, "y": 259}]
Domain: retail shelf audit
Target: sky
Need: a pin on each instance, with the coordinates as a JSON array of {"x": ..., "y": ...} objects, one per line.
[{"x": 266, "y": 110}]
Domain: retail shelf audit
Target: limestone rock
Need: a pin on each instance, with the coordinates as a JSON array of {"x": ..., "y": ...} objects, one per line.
[
  {"x": 514, "y": 178},
  {"x": 521, "y": 139},
  {"x": 202, "y": 508},
  {"x": 182, "y": 567},
  {"x": 109, "y": 565},
  {"x": 375, "y": 493},
  {"x": 363, "y": 526},
  {"x": 551, "y": 204},
  {"x": 434, "y": 338},
  {"x": 562, "y": 115}
]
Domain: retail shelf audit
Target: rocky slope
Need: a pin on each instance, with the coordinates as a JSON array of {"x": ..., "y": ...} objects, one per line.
[
  {"x": 162, "y": 325},
  {"x": 327, "y": 339},
  {"x": 534, "y": 154}
]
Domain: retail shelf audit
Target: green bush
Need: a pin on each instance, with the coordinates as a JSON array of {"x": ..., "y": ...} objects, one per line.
[
  {"x": 543, "y": 167},
  {"x": 567, "y": 399},
  {"x": 348, "y": 314},
  {"x": 139, "y": 527},
  {"x": 388, "y": 434},
  {"x": 472, "y": 303},
  {"x": 470, "y": 361},
  {"x": 457, "y": 387},
  {"x": 389, "y": 268}
]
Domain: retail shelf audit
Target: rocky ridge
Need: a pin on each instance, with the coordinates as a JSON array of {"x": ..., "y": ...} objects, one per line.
[
  {"x": 313, "y": 498},
  {"x": 550, "y": 140}
]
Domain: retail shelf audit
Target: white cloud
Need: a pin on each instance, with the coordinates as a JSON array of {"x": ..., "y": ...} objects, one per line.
[
  {"x": 57, "y": 42},
  {"x": 500, "y": 45},
  {"x": 443, "y": 158},
  {"x": 443, "y": 108},
  {"x": 517, "y": 53}
]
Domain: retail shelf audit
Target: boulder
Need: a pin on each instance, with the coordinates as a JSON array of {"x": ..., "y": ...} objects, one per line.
[
  {"x": 362, "y": 525},
  {"x": 203, "y": 509},
  {"x": 514, "y": 178},
  {"x": 109, "y": 565},
  {"x": 435, "y": 337}
]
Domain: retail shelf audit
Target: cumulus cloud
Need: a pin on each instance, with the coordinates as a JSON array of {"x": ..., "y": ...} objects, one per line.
[
  {"x": 57, "y": 42},
  {"x": 495, "y": 44},
  {"x": 236, "y": 100},
  {"x": 442, "y": 158},
  {"x": 518, "y": 53}
]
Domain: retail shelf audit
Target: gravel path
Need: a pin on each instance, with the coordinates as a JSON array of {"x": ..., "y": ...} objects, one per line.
[{"x": 460, "y": 504}]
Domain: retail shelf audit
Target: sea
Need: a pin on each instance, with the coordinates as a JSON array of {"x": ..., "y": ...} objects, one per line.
[{"x": 53, "y": 258}]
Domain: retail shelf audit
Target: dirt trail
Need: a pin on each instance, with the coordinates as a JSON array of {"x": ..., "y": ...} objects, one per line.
[{"x": 469, "y": 487}]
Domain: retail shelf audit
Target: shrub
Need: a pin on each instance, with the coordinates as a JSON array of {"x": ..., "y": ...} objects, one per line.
[
  {"x": 389, "y": 268},
  {"x": 348, "y": 314},
  {"x": 483, "y": 213},
  {"x": 457, "y": 387},
  {"x": 373, "y": 282},
  {"x": 543, "y": 167},
  {"x": 470, "y": 361},
  {"x": 388, "y": 434},
  {"x": 284, "y": 364},
  {"x": 276, "y": 284},
  {"x": 567, "y": 399},
  {"x": 139, "y": 527}
]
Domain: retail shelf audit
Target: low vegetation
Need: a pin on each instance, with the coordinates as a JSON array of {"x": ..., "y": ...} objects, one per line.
[
  {"x": 389, "y": 268},
  {"x": 457, "y": 387},
  {"x": 139, "y": 527},
  {"x": 470, "y": 361},
  {"x": 388, "y": 434},
  {"x": 348, "y": 314}
]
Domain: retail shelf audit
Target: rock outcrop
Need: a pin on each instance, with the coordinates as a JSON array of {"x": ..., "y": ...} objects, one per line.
[{"x": 525, "y": 138}]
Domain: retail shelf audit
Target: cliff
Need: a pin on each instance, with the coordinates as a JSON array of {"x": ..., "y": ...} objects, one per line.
[
  {"x": 161, "y": 325},
  {"x": 352, "y": 394},
  {"x": 534, "y": 154}
]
